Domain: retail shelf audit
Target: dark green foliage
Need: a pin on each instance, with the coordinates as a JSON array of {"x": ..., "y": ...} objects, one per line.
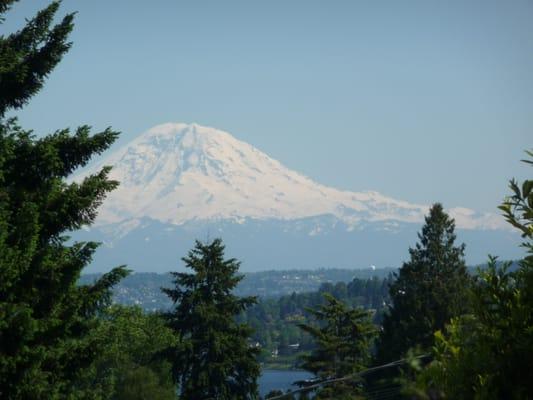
[
  {"x": 275, "y": 321},
  {"x": 343, "y": 341},
  {"x": 487, "y": 353},
  {"x": 130, "y": 363},
  {"x": 45, "y": 318},
  {"x": 213, "y": 359},
  {"x": 29, "y": 55},
  {"x": 143, "y": 384},
  {"x": 430, "y": 289}
]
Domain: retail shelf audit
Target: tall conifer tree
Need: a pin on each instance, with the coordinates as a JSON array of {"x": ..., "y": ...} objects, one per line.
[
  {"x": 213, "y": 359},
  {"x": 343, "y": 343},
  {"x": 487, "y": 353},
  {"x": 45, "y": 318},
  {"x": 430, "y": 289},
  {"x": 29, "y": 55}
]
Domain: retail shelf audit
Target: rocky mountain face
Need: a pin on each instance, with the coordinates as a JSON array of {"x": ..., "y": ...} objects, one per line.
[{"x": 179, "y": 182}]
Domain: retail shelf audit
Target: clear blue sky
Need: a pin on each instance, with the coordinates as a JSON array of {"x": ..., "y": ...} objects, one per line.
[{"x": 420, "y": 100}]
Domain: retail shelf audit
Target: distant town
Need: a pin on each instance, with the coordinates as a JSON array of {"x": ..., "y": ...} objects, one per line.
[{"x": 144, "y": 288}]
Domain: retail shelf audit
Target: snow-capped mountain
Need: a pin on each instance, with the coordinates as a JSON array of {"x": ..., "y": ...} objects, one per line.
[
  {"x": 175, "y": 173},
  {"x": 178, "y": 178}
]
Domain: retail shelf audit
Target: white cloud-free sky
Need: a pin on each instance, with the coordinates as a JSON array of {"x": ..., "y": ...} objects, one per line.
[{"x": 420, "y": 100}]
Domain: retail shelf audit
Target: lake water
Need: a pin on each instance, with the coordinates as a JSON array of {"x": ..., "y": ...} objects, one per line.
[{"x": 272, "y": 379}]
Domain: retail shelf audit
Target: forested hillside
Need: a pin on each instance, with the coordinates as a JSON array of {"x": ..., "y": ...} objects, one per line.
[
  {"x": 276, "y": 322},
  {"x": 144, "y": 288}
]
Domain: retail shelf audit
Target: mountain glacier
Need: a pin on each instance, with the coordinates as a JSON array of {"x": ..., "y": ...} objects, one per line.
[
  {"x": 175, "y": 173},
  {"x": 198, "y": 180}
]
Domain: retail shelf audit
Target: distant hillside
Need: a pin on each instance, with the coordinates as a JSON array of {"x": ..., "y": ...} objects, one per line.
[{"x": 143, "y": 288}]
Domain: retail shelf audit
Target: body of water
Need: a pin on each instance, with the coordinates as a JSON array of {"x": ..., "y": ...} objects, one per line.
[{"x": 272, "y": 379}]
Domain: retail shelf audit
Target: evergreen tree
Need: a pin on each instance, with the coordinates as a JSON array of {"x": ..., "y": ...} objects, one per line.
[
  {"x": 430, "y": 289},
  {"x": 343, "y": 341},
  {"x": 29, "y": 55},
  {"x": 45, "y": 317},
  {"x": 213, "y": 359},
  {"x": 487, "y": 353}
]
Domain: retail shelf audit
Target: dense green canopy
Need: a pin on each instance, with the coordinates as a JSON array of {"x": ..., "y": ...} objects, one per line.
[
  {"x": 430, "y": 289},
  {"x": 343, "y": 341},
  {"x": 487, "y": 353},
  {"x": 213, "y": 359},
  {"x": 45, "y": 318}
]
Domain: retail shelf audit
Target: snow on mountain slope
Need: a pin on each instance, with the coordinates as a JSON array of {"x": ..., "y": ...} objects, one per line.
[{"x": 175, "y": 173}]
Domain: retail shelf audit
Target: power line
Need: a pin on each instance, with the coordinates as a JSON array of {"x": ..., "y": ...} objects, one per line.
[{"x": 349, "y": 377}]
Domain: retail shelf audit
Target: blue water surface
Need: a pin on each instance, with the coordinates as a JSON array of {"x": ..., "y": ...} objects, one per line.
[{"x": 272, "y": 379}]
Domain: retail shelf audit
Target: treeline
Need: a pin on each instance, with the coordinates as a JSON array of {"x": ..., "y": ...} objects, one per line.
[
  {"x": 276, "y": 322},
  {"x": 144, "y": 288}
]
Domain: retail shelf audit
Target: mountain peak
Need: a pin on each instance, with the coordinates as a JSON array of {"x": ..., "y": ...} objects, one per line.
[
  {"x": 177, "y": 172},
  {"x": 170, "y": 135},
  {"x": 178, "y": 129}
]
